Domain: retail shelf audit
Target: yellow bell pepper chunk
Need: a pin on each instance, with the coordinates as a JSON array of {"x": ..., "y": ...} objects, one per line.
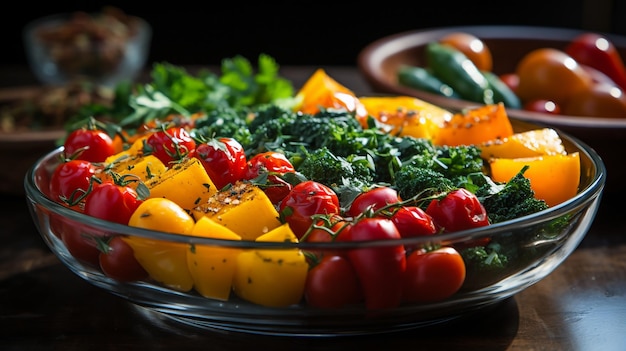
[
  {"x": 186, "y": 183},
  {"x": 532, "y": 143},
  {"x": 144, "y": 168},
  {"x": 165, "y": 261},
  {"x": 406, "y": 115},
  {"x": 553, "y": 178},
  {"x": 244, "y": 208},
  {"x": 212, "y": 267},
  {"x": 474, "y": 126},
  {"x": 272, "y": 277}
]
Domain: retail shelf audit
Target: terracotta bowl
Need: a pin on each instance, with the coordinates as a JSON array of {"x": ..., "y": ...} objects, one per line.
[{"x": 379, "y": 62}]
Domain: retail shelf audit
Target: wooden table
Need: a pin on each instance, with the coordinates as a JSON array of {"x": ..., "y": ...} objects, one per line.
[{"x": 44, "y": 306}]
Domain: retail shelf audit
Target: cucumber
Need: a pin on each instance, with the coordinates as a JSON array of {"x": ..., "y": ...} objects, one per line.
[
  {"x": 421, "y": 78},
  {"x": 502, "y": 92}
]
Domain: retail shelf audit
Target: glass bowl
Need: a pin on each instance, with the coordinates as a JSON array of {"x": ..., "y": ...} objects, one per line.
[
  {"x": 104, "y": 48},
  {"x": 542, "y": 242}
]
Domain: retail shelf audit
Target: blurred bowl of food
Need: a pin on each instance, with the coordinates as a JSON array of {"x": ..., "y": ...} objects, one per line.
[
  {"x": 104, "y": 47},
  {"x": 595, "y": 113}
]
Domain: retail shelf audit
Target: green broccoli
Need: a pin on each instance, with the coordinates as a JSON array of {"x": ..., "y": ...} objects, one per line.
[
  {"x": 411, "y": 180},
  {"x": 323, "y": 166},
  {"x": 484, "y": 265}
]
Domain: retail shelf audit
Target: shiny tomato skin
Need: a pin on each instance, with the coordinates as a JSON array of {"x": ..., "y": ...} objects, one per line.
[
  {"x": 306, "y": 199},
  {"x": 224, "y": 160},
  {"x": 326, "y": 231},
  {"x": 380, "y": 269},
  {"x": 373, "y": 199},
  {"x": 413, "y": 221},
  {"x": 171, "y": 144},
  {"x": 601, "y": 100},
  {"x": 70, "y": 181},
  {"x": 432, "y": 276},
  {"x": 472, "y": 47},
  {"x": 510, "y": 79},
  {"x": 550, "y": 74},
  {"x": 332, "y": 283},
  {"x": 81, "y": 243},
  {"x": 275, "y": 164},
  {"x": 597, "y": 51},
  {"x": 88, "y": 144},
  {"x": 118, "y": 261},
  {"x": 460, "y": 209},
  {"x": 543, "y": 106},
  {"x": 111, "y": 202}
]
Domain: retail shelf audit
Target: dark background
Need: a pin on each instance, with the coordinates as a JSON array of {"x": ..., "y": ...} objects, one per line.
[{"x": 308, "y": 32}]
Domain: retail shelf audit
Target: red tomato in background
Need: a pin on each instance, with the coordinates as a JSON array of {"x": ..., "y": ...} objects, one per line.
[
  {"x": 70, "y": 181},
  {"x": 88, "y": 144},
  {"x": 458, "y": 210},
  {"x": 224, "y": 160},
  {"x": 433, "y": 275},
  {"x": 272, "y": 165},
  {"x": 332, "y": 283},
  {"x": 171, "y": 144},
  {"x": 380, "y": 269},
  {"x": 412, "y": 221},
  {"x": 306, "y": 199},
  {"x": 117, "y": 261},
  {"x": 373, "y": 199},
  {"x": 597, "y": 51},
  {"x": 472, "y": 47},
  {"x": 542, "y": 106},
  {"x": 511, "y": 80},
  {"x": 112, "y": 202},
  {"x": 601, "y": 100}
]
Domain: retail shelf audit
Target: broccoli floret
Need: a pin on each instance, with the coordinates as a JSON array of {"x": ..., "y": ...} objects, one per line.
[
  {"x": 512, "y": 199},
  {"x": 411, "y": 180},
  {"x": 459, "y": 161},
  {"x": 484, "y": 265},
  {"x": 323, "y": 166}
]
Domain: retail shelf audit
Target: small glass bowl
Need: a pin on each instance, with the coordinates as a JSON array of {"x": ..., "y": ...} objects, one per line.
[
  {"x": 104, "y": 48},
  {"x": 541, "y": 246}
]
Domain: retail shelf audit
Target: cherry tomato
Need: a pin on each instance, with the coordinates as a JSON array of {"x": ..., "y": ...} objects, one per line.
[
  {"x": 511, "y": 80},
  {"x": 112, "y": 202},
  {"x": 270, "y": 164},
  {"x": 550, "y": 74},
  {"x": 470, "y": 45},
  {"x": 88, "y": 144},
  {"x": 597, "y": 51},
  {"x": 70, "y": 181},
  {"x": 117, "y": 261},
  {"x": 601, "y": 100},
  {"x": 325, "y": 230},
  {"x": 373, "y": 199},
  {"x": 413, "y": 221},
  {"x": 306, "y": 199},
  {"x": 380, "y": 269},
  {"x": 332, "y": 283},
  {"x": 224, "y": 160},
  {"x": 171, "y": 144},
  {"x": 433, "y": 275},
  {"x": 543, "y": 106},
  {"x": 458, "y": 210},
  {"x": 81, "y": 242}
]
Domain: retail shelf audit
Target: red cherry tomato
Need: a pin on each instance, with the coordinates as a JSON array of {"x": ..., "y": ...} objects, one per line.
[
  {"x": 597, "y": 51},
  {"x": 70, "y": 181},
  {"x": 112, "y": 202},
  {"x": 88, "y": 144},
  {"x": 543, "y": 106},
  {"x": 306, "y": 199},
  {"x": 332, "y": 283},
  {"x": 81, "y": 242},
  {"x": 601, "y": 100},
  {"x": 511, "y": 80},
  {"x": 171, "y": 144},
  {"x": 412, "y": 221},
  {"x": 325, "y": 231},
  {"x": 433, "y": 275},
  {"x": 458, "y": 210},
  {"x": 380, "y": 269},
  {"x": 270, "y": 164},
  {"x": 224, "y": 160},
  {"x": 117, "y": 260},
  {"x": 373, "y": 199}
]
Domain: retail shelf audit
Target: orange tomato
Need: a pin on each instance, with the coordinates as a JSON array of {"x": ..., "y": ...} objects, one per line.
[
  {"x": 470, "y": 45},
  {"x": 550, "y": 74},
  {"x": 600, "y": 100}
]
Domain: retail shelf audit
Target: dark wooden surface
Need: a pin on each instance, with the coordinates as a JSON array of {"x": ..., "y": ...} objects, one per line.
[{"x": 44, "y": 306}]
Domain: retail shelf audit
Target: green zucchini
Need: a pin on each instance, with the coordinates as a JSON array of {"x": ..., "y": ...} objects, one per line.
[
  {"x": 421, "y": 78},
  {"x": 502, "y": 92}
]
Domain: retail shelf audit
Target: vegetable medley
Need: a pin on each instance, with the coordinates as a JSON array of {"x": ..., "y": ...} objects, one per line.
[{"x": 197, "y": 155}]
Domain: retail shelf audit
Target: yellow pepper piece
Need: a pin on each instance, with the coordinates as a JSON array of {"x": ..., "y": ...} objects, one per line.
[
  {"x": 272, "y": 277},
  {"x": 553, "y": 178},
  {"x": 185, "y": 183},
  {"x": 145, "y": 168},
  {"x": 532, "y": 143},
  {"x": 475, "y": 126},
  {"x": 244, "y": 208},
  {"x": 212, "y": 268},
  {"x": 165, "y": 262},
  {"x": 407, "y": 115}
]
